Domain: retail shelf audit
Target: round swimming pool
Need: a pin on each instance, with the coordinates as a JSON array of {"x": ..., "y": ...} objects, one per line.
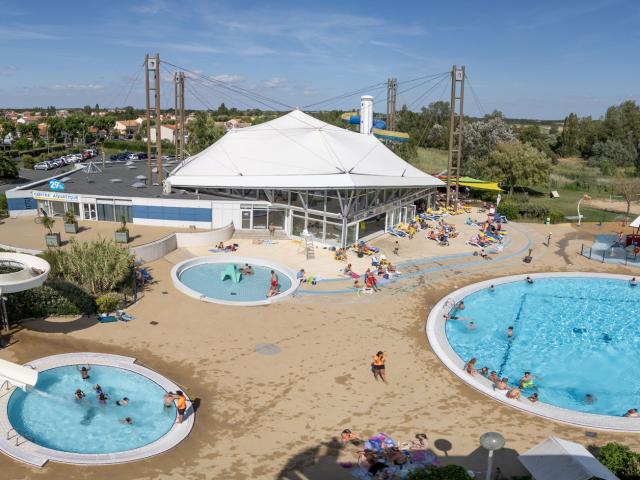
[
  {"x": 48, "y": 422},
  {"x": 50, "y": 416},
  {"x": 578, "y": 334},
  {"x": 220, "y": 281}
]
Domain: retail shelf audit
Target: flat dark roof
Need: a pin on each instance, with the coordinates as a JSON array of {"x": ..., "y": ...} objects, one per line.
[{"x": 101, "y": 184}]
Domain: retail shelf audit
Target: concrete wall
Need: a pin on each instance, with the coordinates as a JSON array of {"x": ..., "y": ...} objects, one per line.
[
  {"x": 21, "y": 203},
  {"x": 155, "y": 250},
  {"x": 159, "y": 248},
  {"x": 202, "y": 239}
]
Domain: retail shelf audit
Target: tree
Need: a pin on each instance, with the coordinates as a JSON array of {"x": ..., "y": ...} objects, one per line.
[
  {"x": 615, "y": 153},
  {"x": 8, "y": 169},
  {"x": 569, "y": 137},
  {"x": 87, "y": 109},
  {"x": 629, "y": 189},
  {"x": 534, "y": 136},
  {"x": 55, "y": 127},
  {"x": 222, "y": 109},
  {"x": 28, "y": 161},
  {"x": 202, "y": 133},
  {"x": 482, "y": 137},
  {"x": 513, "y": 164}
]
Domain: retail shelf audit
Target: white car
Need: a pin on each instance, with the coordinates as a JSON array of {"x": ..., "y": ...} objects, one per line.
[{"x": 132, "y": 156}]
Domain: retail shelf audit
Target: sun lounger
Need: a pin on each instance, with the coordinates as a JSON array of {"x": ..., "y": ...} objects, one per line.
[{"x": 397, "y": 233}]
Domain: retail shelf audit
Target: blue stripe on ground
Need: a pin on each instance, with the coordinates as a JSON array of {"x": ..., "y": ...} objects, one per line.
[{"x": 425, "y": 271}]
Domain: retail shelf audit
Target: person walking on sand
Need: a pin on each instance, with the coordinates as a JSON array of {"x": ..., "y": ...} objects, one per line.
[
  {"x": 396, "y": 248},
  {"x": 272, "y": 229},
  {"x": 378, "y": 367},
  {"x": 549, "y": 240}
]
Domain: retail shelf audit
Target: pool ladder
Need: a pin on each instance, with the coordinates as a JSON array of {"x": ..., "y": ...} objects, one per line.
[{"x": 17, "y": 437}]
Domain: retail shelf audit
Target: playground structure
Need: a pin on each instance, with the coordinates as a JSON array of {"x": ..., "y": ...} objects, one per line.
[
  {"x": 232, "y": 273},
  {"x": 24, "y": 273},
  {"x": 370, "y": 126},
  {"x": 17, "y": 375}
]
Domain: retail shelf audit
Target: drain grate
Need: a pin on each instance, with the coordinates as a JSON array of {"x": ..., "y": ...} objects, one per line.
[{"x": 268, "y": 349}]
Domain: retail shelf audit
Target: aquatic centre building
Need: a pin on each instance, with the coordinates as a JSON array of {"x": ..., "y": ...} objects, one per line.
[{"x": 295, "y": 172}]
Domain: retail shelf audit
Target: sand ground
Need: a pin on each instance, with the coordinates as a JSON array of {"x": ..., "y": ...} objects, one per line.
[
  {"x": 25, "y": 233},
  {"x": 278, "y": 416}
]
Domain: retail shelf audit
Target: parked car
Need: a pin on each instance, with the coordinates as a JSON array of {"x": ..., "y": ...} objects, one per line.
[
  {"x": 132, "y": 156},
  {"x": 42, "y": 166},
  {"x": 142, "y": 156},
  {"x": 67, "y": 160}
]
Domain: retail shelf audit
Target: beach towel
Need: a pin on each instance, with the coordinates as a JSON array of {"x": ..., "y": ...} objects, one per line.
[{"x": 378, "y": 442}]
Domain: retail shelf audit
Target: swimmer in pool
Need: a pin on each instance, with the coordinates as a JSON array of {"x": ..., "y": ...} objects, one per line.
[
  {"x": 514, "y": 393},
  {"x": 533, "y": 398},
  {"x": 455, "y": 317},
  {"x": 632, "y": 412},
  {"x": 168, "y": 399},
  {"x": 633, "y": 282},
  {"x": 79, "y": 394},
  {"x": 502, "y": 384},
  {"x": 526, "y": 381},
  {"x": 471, "y": 325},
  {"x": 102, "y": 398},
  {"x": 484, "y": 371},
  {"x": 127, "y": 421},
  {"x": 98, "y": 389},
  {"x": 460, "y": 305},
  {"x": 492, "y": 289},
  {"x": 589, "y": 399},
  {"x": 470, "y": 366},
  {"x": 84, "y": 372},
  {"x": 493, "y": 376},
  {"x": 529, "y": 280},
  {"x": 122, "y": 403},
  {"x": 510, "y": 333}
]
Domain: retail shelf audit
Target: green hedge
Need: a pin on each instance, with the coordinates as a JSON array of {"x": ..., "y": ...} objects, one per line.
[
  {"x": 621, "y": 460},
  {"x": 449, "y": 472},
  {"x": 133, "y": 146},
  {"x": 55, "y": 297},
  {"x": 514, "y": 210}
]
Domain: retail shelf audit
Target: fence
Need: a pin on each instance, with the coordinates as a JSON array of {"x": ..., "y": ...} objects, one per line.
[{"x": 601, "y": 255}]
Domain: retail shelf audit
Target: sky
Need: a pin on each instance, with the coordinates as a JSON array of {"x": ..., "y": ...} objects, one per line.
[{"x": 539, "y": 59}]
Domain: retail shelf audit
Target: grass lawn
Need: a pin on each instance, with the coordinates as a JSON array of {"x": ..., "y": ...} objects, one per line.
[
  {"x": 431, "y": 160},
  {"x": 567, "y": 205}
]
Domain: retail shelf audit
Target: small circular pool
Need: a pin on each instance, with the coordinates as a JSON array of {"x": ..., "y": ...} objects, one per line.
[
  {"x": 578, "y": 334},
  {"x": 220, "y": 280},
  {"x": 48, "y": 422},
  {"x": 50, "y": 416}
]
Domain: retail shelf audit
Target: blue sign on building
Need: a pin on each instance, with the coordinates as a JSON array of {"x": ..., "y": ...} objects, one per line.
[{"x": 56, "y": 185}]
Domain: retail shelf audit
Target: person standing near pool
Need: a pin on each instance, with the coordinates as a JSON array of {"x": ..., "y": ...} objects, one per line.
[
  {"x": 378, "y": 366},
  {"x": 181, "y": 404}
]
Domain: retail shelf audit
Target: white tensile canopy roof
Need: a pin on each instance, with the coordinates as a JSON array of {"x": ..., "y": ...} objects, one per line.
[
  {"x": 558, "y": 459},
  {"x": 635, "y": 223},
  {"x": 297, "y": 151}
]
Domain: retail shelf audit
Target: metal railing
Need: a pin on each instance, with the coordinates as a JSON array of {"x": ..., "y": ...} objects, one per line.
[{"x": 18, "y": 439}]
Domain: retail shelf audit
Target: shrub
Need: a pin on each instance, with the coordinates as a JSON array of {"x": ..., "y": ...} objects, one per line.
[
  {"x": 8, "y": 169},
  {"x": 107, "y": 303},
  {"x": 99, "y": 266},
  {"x": 55, "y": 297},
  {"x": 509, "y": 209},
  {"x": 622, "y": 461},
  {"x": 556, "y": 216},
  {"x": 28, "y": 161},
  {"x": 449, "y": 472}
]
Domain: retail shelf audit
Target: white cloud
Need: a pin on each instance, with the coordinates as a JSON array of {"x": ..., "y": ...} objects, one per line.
[
  {"x": 70, "y": 87},
  {"x": 275, "y": 82},
  {"x": 151, "y": 8},
  {"x": 225, "y": 78},
  {"x": 25, "y": 33}
]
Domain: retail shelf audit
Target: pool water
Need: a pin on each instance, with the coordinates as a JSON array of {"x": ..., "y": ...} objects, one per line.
[
  {"x": 50, "y": 416},
  {"x": 579, "y": 336},
  {"x": 205, "y": 279}
]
